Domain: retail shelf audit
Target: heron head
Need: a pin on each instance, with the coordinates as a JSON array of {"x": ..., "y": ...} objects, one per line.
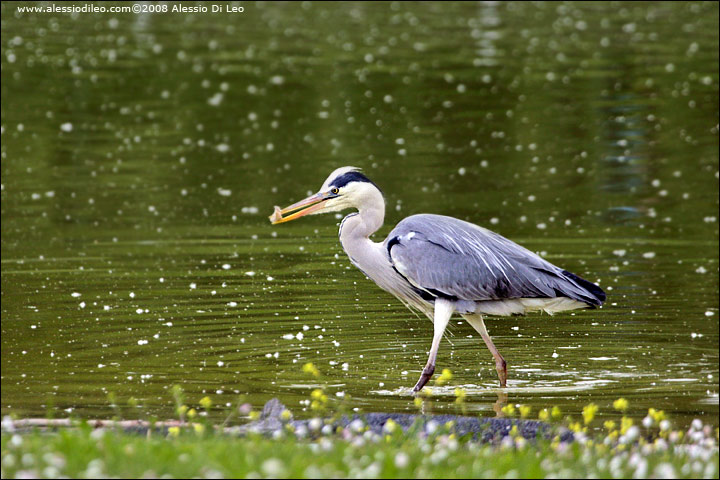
[{"x": 345, "y": 188}]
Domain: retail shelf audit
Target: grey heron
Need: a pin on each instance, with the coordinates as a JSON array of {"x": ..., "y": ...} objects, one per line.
[{"x": 441, "y": 265}]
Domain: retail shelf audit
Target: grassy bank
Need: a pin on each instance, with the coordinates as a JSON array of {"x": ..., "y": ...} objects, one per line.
[
  {"x": 194, "y": 451},
  {"x": 193, "y": 446}
]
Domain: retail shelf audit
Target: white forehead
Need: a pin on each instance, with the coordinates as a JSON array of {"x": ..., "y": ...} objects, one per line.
[{"x": 336, "y": 173}]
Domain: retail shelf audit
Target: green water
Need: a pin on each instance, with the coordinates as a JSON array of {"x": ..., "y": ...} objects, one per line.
[{"x": 142, "y": 154}]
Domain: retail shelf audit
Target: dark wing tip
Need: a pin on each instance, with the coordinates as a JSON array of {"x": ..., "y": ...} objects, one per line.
[{"x": 596, "y": 294}]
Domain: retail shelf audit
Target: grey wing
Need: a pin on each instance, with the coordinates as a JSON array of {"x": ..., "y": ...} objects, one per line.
[{"x": 447, "y": 257}]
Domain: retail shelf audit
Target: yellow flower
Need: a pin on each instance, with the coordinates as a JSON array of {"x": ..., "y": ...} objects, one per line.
[
  {"x": 206, "y": 403},
  {"x": 657, "y": 415},
  {"x": 620, "y": 404},
  {"x": 556, "y": 413},
  {"x": 316, "y": 394},
  {"x": 460, "y": 395},
  {"x": 181, "y": 410},
  {"x": 508, "y": 409},
  {"x": 576, "y": 427},
  {"x": 174, "y": 431},
  {"x": 390, "y": 426},
  {"x": 543, "y": 414},
  {"x": 199, "y": 428},
  {"x": 311, "y": 369},
  {"x": 285, "y": 415},
  {"x": 444, "y": 377},
  {"x": 191, "y": 413},
  {"x": 418, "y": 401},
  {"x": 254, "y": 415},
  {"x": 625, "y": 423},
  {"x": 514, "y": 431},
  {"x": 525, "y": 411},
  {"x": 609, "y": 425},
  {"x": 589, "y": 413}
]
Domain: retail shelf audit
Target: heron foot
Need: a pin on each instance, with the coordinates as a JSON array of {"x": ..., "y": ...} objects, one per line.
[
  {"x": 424, "y": 377},
  {"x": 501, "y": 367}
]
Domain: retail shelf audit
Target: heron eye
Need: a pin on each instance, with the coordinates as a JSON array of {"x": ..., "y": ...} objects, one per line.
[{"x": 335, "y": 191}]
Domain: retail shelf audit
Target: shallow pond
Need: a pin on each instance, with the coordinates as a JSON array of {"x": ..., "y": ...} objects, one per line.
[{"x": 142, "y": 154}]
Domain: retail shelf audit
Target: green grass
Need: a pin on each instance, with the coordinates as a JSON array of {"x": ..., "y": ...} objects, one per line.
[
  {"x": 83, "y": 452},
  {"x": 618, "y": 449}
]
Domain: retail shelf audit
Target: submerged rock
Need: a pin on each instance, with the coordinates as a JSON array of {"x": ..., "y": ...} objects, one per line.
[{"x": 482, "y": 429}]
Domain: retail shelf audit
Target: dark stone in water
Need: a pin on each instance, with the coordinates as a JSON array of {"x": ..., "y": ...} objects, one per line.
[{"x": 481, "y": 429}]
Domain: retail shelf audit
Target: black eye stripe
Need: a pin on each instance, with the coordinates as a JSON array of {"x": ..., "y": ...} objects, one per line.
[{"x": 348, "y": 177}]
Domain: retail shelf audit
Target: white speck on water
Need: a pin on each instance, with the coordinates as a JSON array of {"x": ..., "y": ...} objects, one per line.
[
  {"x": 709, "y": 313},
  {"x": 462, "y": 171},
  {"x": 76, "y": 294},
  {"x": 101, "y": 365},
  {"x": 142, "y": 342},
  {"x": 620, "y": 252},
  {"x": 66, "y": 127},
  {"x": 250, "y": 210},
  {"x": 541, "y": 226},
  {"x": 649, "y": 255},
  {"x": 222, "y": 147},
  {"x": 288, "y": 336},
  {"x": 701, "y": 269},
  {"x": 215, "y": 100},
  {"x": 131, "y": 294},
  {"x": 82, "y": 304},
  {"x": 232, "y": 304},
  {"x": 250, "y": 274},
  {"x": 220, "y": 363},
  {"x": 139, "y": 311},
  {"x": 224, "y": 192},
  {"x": 388, "y": 99},
  {"x": 555, "y": 355},
  {"x": 193, "y": 286},
  {"x": 226, "y": 266},
  {"x": 269, "y": 278},
  {"x": 277, "y": 79},
  {"x": 306, "y": 327}
]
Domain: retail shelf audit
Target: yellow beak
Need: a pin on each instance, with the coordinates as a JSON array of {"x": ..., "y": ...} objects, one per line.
[{"x": 311, "y": 204}]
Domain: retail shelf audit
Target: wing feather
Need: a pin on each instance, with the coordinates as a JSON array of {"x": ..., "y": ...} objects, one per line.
[{"x": 448, "y": 257}]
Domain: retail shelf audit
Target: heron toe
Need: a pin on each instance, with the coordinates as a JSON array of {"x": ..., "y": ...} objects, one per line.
[{"x": 425, "y": 376}]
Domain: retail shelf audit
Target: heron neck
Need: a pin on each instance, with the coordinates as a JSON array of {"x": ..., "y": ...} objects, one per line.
[{"x": 356, "y": 228}]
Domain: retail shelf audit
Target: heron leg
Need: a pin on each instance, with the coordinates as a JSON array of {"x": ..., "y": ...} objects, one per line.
[
  {"x": 500, "y": 365},
  {"x": 443, "y": 311}
]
